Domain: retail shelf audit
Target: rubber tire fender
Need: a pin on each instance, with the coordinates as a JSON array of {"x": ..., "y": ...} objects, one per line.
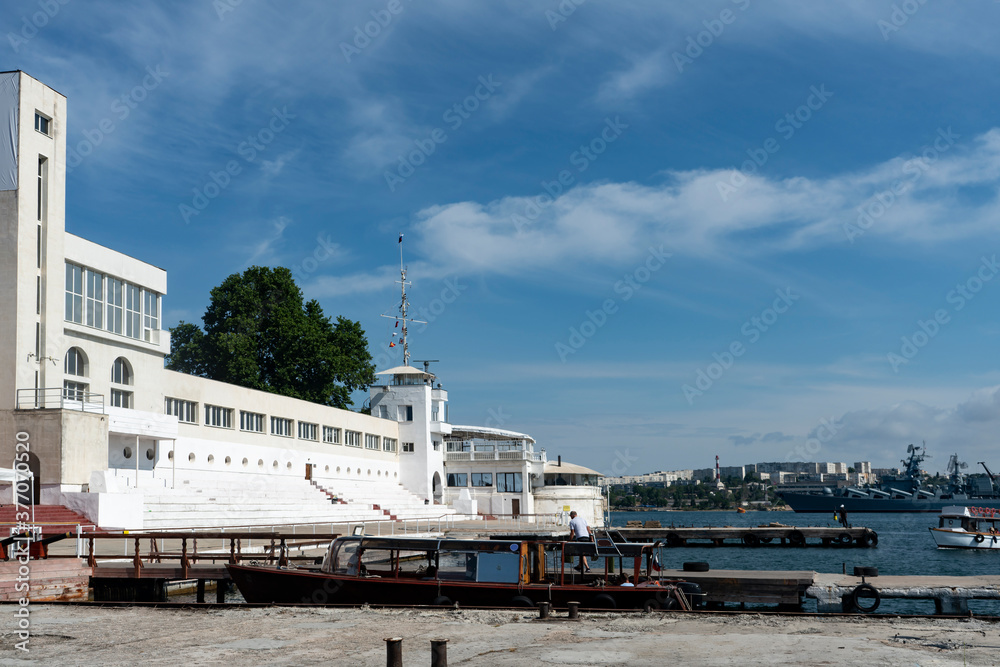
[
  {"x": 651, "y": 604},
  {"x": 796, "y": 538},
  {"x": 871, "y": 592},
  {"x": 751, "y": 540},
  {"x": 979, "y": 538},
  {"x": 441, "y": 601},
  {"x": 844, "y": 538},
  {"x": 674, "y": 540},
  {"x": 604, "y": 601},
  {"x": 873, "y": 537},
  {"x": 521, "y": 601},
  {"x": 695, "y": 567}
]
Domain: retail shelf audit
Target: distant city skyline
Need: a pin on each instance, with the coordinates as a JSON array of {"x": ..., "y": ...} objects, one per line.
[{"x": 644, "y": 233}]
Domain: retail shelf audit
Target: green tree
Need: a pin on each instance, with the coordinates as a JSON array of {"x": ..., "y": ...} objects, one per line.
[{"x": 258, "y": 333}]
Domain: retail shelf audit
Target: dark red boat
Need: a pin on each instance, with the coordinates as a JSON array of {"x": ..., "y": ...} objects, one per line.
[{"x": 472, "y": 573}]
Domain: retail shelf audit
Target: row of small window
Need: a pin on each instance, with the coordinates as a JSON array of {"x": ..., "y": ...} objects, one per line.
[
  {"x": 253, "y": 422},
  {"x": 506, "y": 482},
  {"x": 110, "y": 304}
]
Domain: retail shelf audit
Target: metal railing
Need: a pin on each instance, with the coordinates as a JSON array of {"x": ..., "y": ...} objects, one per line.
[{"x": 59, "y": 398}]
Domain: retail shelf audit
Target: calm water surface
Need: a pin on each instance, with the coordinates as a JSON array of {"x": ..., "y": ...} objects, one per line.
[{"x": 905, "y": 547}]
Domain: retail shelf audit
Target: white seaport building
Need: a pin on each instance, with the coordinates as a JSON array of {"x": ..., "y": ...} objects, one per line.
[{"x": 129, "y": 444}]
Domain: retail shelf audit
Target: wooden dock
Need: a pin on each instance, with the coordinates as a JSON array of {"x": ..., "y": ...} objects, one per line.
[
  {"x": 950, "y": 595},
  {"x": 787, "y": 589},
  {"x": 753, "y": 536}
]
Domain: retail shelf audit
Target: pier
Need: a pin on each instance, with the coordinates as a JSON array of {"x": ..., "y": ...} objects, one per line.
[{"x": 772, "y": 535}]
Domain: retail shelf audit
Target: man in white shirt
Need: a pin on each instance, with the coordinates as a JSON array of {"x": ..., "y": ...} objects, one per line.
[{"x": 579, "y": 531}]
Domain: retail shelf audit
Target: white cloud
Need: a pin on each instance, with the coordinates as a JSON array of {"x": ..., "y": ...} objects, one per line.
[{"x": 649, "y": 71}]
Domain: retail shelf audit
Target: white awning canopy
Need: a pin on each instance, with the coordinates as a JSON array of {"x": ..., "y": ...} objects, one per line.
[
  {"x": 553, "y": 468},
  {"x": 406, "y": 370}
]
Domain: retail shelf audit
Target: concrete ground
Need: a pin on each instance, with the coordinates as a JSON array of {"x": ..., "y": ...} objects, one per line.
[{"x": 85, "y": 635}]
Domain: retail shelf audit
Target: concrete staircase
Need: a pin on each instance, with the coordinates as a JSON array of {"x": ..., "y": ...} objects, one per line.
[
  {"x": 272, "y": 501},
  {"x": 53, "y": 519},
  {"x": 393, "y": 500}
]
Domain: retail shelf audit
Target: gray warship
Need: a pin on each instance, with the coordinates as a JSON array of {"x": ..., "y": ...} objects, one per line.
[{"x": 906, "y": 492}]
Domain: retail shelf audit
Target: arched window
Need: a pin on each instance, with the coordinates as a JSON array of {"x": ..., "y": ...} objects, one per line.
[
  {"x": 121, "y": 372},
  {"x": 75, "y": 362},
  {"x": 75, "y": 365}
]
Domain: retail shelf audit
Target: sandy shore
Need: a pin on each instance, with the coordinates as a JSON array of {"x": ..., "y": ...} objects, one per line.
[{"x": 69, "y": 635}]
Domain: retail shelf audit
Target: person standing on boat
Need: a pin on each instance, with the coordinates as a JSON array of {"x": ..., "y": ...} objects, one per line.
[{"x": 579, "y": 531}]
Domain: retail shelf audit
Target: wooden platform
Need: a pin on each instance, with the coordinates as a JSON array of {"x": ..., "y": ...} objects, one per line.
[
  {"x": 785, "y": 588},
  {"x": 756, "y": 536},
  {"x": 950, "y": 595}
]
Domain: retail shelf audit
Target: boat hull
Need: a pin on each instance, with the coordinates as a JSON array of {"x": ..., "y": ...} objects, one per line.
[
  {"x": 961, "y": 539},
  {"x": 810, "y": 503},
  {"x": 293, "y": 586}
]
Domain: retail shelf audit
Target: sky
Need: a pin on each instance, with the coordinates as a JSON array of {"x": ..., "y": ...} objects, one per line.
[{"x": 644, "y": 233}]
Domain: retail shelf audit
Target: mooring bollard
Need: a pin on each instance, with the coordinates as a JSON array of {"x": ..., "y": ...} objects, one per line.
[
  {"x": 543, "y": 610},
  {"x": 439, "y": 653},
  {"x": 574, "y": 609},
  {"x": 394, "y": 652}
]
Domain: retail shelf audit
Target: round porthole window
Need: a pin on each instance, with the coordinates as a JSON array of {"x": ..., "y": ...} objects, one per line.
[
  {"x": 191, "y": 457},
  {"x": 127, "y": 452}
]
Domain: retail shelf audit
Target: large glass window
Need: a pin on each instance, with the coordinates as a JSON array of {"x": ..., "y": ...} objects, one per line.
[
  {"x": 509, "y": 482},
  {"x": 151, "y": 314},
  {"x": 482, "y": 479},
  {"x": 75, "y": 363},
  {"x": 95, "y": 299},
  {"x": 74, "y": 293},
  {"x": 458, "y": 479},
  {"x": 114, "y": 299},
  {"x": 121, "y": 399},
  {"x": 133, "y": 311}
]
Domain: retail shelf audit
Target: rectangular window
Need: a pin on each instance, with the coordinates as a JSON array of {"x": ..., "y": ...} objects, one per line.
[
  {"x": 42, "y": 124},
  {"x": 509, "y": 482},
  {"x": 251, "y": 421},
  {"x": 281, "y": 426},
  {"x": 352, "y": 438},
  {"x": 74, "y": 391},
  {"x": 95, "y": 299},
  {"x": 308, "y": 431},
  {"x": 388, "y": 444},
  {"x": 383, "y": 411},
  {"x": 331, "y": 435},
  {"x": 185, "y": 411},
  {"x": 150, "y": 314},
  {"x": 404, "y": 413},
  {"x": 216, "y": 416},
  {"x": 121, "y": 399},
  {"x": 458, "y": 479},
  {"x": 133, "y": 311},
  {"x": 372, "y": 441},
  {"x": 482, "y": 479},
  {"x": 74, "y": 294},
  {"x": 407, "y": 447},
  {"x": 434, "y": 413},
  {"x": 113, "y": 295}
]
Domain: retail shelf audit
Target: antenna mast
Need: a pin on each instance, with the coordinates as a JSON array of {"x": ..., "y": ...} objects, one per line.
[{"x": 403, "y": 303}]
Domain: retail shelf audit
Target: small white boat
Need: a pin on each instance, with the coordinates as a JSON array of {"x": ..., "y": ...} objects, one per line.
[{"x": 967, "y": 528}]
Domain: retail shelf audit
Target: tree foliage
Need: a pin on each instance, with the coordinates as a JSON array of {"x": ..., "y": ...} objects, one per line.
[{"x": 258, "y": 333}]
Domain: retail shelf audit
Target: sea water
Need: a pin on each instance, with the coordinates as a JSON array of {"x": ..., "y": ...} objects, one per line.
[{"x": 905, "y": 547}]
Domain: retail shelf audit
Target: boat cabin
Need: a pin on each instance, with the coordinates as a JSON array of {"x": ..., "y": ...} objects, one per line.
[
  {"x": 509, "y": 561},
  {"x": 970, "y": 519}
]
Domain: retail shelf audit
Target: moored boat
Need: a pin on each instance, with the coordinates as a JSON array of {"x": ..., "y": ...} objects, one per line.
[
  {"x": 967, "y": 528},
  {"x": 486, "y": 573}
]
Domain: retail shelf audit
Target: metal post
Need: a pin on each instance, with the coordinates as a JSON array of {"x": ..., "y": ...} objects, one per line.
[
  {"x": 574, "y": 609},
  {"x": 200, "y": 591},
  {"x": 543, "y": 610},
  {"x": 439, "y": 653},
  {"x": 394, "y": 652},
  {"x": 220, "y": 590}
]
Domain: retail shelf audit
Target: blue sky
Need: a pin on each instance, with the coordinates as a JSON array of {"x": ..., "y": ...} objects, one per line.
[{"x": 645, "y": 233}]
